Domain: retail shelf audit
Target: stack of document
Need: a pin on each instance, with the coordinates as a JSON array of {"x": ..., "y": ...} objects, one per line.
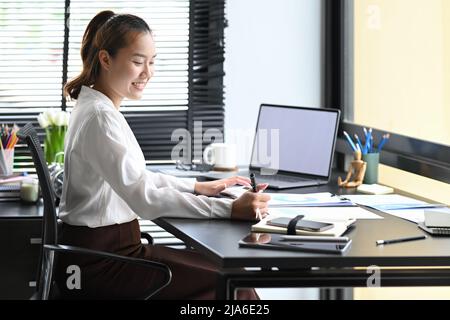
[
  {"x": 400, "y": 206},
  {"x": 325, "y": 214},
  {"x": 279, "y": 200},
  {"x": 324, "y": 199}
]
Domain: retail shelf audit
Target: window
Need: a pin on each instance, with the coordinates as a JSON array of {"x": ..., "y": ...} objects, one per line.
[
  {"x": 401, "y": 67},
  {"x": 388, "y": 68},
  {"x": 39, "y": 51}
]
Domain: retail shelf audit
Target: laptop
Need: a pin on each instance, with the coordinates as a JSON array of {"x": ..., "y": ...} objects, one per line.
[{"x": 293, "y": 146}]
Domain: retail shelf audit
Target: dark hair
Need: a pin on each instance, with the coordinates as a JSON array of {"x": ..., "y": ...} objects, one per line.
[{"x": 106, "y": 31}]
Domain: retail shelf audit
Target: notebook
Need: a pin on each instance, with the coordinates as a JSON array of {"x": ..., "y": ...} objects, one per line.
[
  {"x": 293, "y": 147},
  {"x": 340, "y": 227},
  {"x": 9, "y": 192}
]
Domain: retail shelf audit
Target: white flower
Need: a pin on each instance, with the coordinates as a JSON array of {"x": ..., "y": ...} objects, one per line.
[
  {"x": 43, "y": 120},
  {"x": 51, "y": 116},
  {"x": 59, "y": 119}
]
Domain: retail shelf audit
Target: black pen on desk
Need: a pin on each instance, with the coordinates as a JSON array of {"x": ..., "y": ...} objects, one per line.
[{"x": 380, "y": 242}]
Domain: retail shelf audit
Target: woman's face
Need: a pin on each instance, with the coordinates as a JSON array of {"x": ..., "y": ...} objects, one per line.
[{"x": 132, "y": 67}]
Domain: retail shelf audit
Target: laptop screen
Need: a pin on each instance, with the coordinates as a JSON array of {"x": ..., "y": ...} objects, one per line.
[{"x": 295, "y": 139}]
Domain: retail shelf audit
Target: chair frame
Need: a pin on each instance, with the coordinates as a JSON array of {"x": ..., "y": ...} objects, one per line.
[{"x": 50, "y": 244}]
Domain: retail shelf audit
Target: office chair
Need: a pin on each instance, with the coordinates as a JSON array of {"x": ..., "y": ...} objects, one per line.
[{"x": 45, "y": 286}]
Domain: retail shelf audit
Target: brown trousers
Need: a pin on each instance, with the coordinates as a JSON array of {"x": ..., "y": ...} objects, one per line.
[{"x": 193, "y": 276}]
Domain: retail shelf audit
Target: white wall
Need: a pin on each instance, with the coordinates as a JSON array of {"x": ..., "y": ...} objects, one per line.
[{"x": 273, "y": 55}]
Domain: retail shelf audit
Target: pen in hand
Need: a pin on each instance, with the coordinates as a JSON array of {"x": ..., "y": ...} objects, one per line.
[
  {"x": 252, "y": 179},
  {"x": 254, "y": 189},
  {"x": 380, "y": 242}
]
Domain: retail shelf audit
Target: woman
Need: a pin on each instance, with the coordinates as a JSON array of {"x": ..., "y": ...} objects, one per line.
[{"x": 107, "y": 186}]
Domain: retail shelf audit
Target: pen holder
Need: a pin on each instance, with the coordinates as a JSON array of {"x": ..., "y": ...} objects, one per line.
[
  {"x": 6, "y": 161},
  {"x": 372, "y": 160}
]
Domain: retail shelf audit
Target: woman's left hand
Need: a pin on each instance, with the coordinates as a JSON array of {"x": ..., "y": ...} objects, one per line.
[{"x": 213, "y": 188}]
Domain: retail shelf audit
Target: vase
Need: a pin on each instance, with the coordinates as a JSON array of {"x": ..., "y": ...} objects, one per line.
[{"x": 54, "y": 144}]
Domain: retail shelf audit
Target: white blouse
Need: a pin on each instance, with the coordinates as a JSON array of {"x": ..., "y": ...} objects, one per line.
[{"x": 105, "y": 177}]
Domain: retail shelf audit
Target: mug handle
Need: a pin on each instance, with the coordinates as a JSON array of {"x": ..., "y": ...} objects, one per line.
[{"x": 206, "y": 156}]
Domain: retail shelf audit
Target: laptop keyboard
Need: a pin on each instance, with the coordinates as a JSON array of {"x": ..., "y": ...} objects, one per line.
[{"x": 279, "y": 178}]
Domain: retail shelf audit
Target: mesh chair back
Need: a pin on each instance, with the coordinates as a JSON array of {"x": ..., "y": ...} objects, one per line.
[{"x": 29, "y": 135}]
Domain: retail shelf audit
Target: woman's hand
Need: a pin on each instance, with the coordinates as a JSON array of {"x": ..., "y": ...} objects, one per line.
[
  {"x": 213, "y": 188},
  {"x": 251, "y": 205}
]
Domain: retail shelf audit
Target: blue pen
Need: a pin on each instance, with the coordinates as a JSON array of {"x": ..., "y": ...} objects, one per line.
[
  {"x": 383, "y": 141},
  {"x": 359, "y": 142},
  {"x": 368, "y": 141},
  {"x": 352, "y": 145}
]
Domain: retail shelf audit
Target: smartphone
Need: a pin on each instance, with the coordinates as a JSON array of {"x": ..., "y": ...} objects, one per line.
[{"x": 301, "y": 224}]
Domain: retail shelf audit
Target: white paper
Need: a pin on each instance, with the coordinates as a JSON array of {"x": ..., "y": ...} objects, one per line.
[
  {"x": 309, "y": 199},
  {"x": 293, "y": 200},
  {"x": 235, "y": 191},
  {"x": 389, "y": 202},
  {"x": 326, "y": 214}
]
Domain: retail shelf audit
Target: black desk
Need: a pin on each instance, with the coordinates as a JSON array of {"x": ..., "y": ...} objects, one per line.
[
  {"x": 218, "y": 239},
  {"x": 20, "y": 243},
  {"x": 20, "y": 233}
]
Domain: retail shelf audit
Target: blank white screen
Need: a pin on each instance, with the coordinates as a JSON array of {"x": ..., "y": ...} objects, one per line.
[{"x": 306, "y": 139}]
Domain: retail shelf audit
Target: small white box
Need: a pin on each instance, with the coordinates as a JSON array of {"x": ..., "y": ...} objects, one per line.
[{"x": 374, "y": 189}]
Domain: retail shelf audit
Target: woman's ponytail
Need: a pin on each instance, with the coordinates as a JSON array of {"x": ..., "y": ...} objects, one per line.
[{"x": 89, "y": 56}]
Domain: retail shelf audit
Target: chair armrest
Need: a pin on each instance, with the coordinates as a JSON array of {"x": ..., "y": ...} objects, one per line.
[
  {"x": 148, "y": 237},
  {"x": 141, "y": 262}
]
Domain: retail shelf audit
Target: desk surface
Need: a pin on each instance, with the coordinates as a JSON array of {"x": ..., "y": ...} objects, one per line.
[
  {"x": 218, "y": 239},
  {"x": 20, "y": 210}
]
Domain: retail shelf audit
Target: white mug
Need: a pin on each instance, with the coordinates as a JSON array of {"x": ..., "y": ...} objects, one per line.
[{"x": 221, "y": 155}]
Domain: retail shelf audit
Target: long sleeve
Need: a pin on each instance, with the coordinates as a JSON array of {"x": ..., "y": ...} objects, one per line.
[
  {"x": 113, "y": 156},
  {"x": 164, "y": 180}
]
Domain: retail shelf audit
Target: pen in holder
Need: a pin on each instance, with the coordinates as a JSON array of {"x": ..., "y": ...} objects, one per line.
[
  {"x": 7, "y": 143},
  {"x": 372, "y": 160},
  {"x": 6, "y": 161},
  {"x": 370, "y": 153}
]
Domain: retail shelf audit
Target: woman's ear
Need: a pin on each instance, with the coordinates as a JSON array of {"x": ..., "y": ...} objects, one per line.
[{"x": 105, "y": 59}]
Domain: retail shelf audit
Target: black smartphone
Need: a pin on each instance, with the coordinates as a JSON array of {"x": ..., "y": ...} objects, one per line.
[{"x": 301, "y": 224}]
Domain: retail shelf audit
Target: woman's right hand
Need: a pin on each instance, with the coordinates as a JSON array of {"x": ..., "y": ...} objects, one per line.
[{"x": 251, "y": 205}]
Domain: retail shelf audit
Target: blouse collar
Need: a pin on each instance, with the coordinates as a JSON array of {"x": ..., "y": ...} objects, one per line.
[{"x": 85, "y": 90}]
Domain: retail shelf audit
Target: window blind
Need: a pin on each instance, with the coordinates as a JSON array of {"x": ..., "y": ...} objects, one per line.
[
  {"x": 31, "y": 60},
  {"x": 40, "y": 51},
  {"x": 206, "y": 90}
]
